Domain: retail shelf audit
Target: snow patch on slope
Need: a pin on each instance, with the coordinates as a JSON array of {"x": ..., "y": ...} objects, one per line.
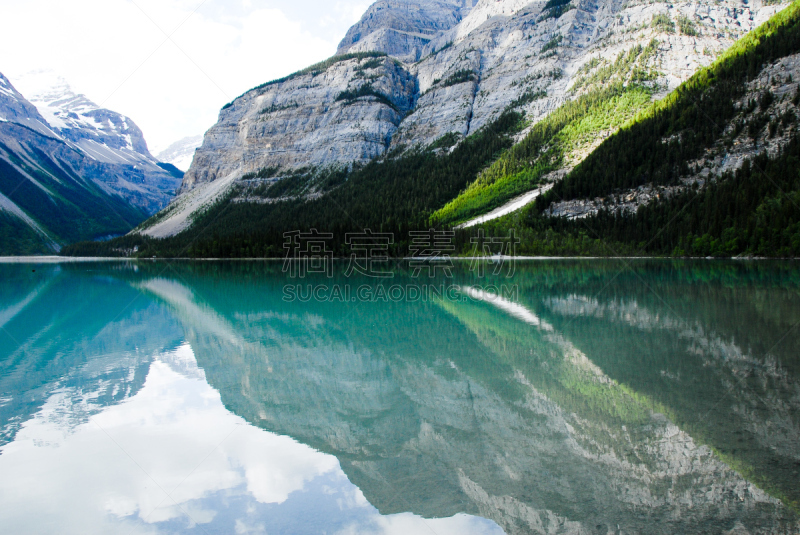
[{"x": 512, "y": 206}]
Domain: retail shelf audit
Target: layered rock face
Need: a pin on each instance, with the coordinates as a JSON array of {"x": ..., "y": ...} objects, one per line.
[
  {"x": 346, "y": 113},
  {"x": 476, "y": 62}
]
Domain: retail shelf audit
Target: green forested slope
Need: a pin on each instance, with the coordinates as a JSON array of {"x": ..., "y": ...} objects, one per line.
[
  {"x": 614, "y": 94},
  {"x": 68, "y": 207},
  {"x": 696, "y": 113},
  {"x": 752, "y": 211}
]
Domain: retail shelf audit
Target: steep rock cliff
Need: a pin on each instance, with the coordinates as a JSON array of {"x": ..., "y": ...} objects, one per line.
[{"x": 342, "y": 112}]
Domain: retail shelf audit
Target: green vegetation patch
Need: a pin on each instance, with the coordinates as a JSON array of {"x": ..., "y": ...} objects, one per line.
[
  {"x": 350, "y": 96},
  {"x": 663, "y": 23},
  {"x": 687, "y": 26},
  {"x": 552, "y": 44},
  {"x": 447, "y": 141},
  {"x": 527, "y": 98},
  {"x": 631, "y": 66},
  {"x": 264, "y": 172},
  {"x": 554, "y": 9},
  {"x": 575, "y": 124},
  {"x": 276, "y": 108},
  {"x": 17, "y": 238},
  {"x": 460, "y": 77}
]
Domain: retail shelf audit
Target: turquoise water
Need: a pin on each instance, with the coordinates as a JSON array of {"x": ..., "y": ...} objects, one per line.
[{"x": 565, "y": 397}]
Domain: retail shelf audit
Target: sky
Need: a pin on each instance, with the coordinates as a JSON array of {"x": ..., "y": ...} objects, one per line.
[{"x": 169, "y": 65}]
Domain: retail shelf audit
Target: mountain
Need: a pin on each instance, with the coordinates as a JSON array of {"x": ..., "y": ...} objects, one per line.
[
  {"x": 180, "y": 153},
  {"x": 103, "y": 135},
  {"x": 509, "y": 52},
  {"x": 506, "y": 102},
  {"x": 66, "y": 181}
]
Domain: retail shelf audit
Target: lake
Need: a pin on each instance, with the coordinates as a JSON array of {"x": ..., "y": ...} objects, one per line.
[{"x": 547, "y": 396}]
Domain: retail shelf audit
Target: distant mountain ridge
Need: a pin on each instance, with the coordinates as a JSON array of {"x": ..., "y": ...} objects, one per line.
[
  {"x": 103, "y": 134},
  {"x": 181, "y": 153}
]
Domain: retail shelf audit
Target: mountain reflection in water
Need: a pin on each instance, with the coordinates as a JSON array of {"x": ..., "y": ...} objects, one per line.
[{"x": 657, "y": 398}]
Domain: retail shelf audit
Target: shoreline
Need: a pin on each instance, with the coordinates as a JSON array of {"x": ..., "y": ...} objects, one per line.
[{"x": 87, "y": 259}]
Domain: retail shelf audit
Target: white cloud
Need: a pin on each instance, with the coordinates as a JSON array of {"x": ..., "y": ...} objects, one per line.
[
  {"x": 116, "y": 51},
  {"x": 174, "y": 435},
  {"x": 112, "y": 473}
]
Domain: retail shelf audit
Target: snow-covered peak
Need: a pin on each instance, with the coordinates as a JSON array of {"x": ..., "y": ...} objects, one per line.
[
  {"x": 180, "y": 153},
  {"x": 102, "y": 134},
  {"x": 56, "y": 100}
]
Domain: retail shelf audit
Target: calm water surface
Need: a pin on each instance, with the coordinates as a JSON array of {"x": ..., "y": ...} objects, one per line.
[{"x": 591, "y": 397}]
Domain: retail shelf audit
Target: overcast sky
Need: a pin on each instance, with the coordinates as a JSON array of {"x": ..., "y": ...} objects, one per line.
[{"x": 170, "y": 65}]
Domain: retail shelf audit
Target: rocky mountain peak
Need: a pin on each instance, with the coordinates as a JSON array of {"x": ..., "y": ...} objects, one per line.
[{"x": 402, "y": 28}]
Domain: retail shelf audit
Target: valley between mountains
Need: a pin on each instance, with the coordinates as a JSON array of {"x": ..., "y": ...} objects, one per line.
[{"x": 602, "y": 128}]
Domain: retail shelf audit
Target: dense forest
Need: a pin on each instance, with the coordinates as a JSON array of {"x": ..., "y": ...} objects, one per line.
[{"x": 67, "y": 206}]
